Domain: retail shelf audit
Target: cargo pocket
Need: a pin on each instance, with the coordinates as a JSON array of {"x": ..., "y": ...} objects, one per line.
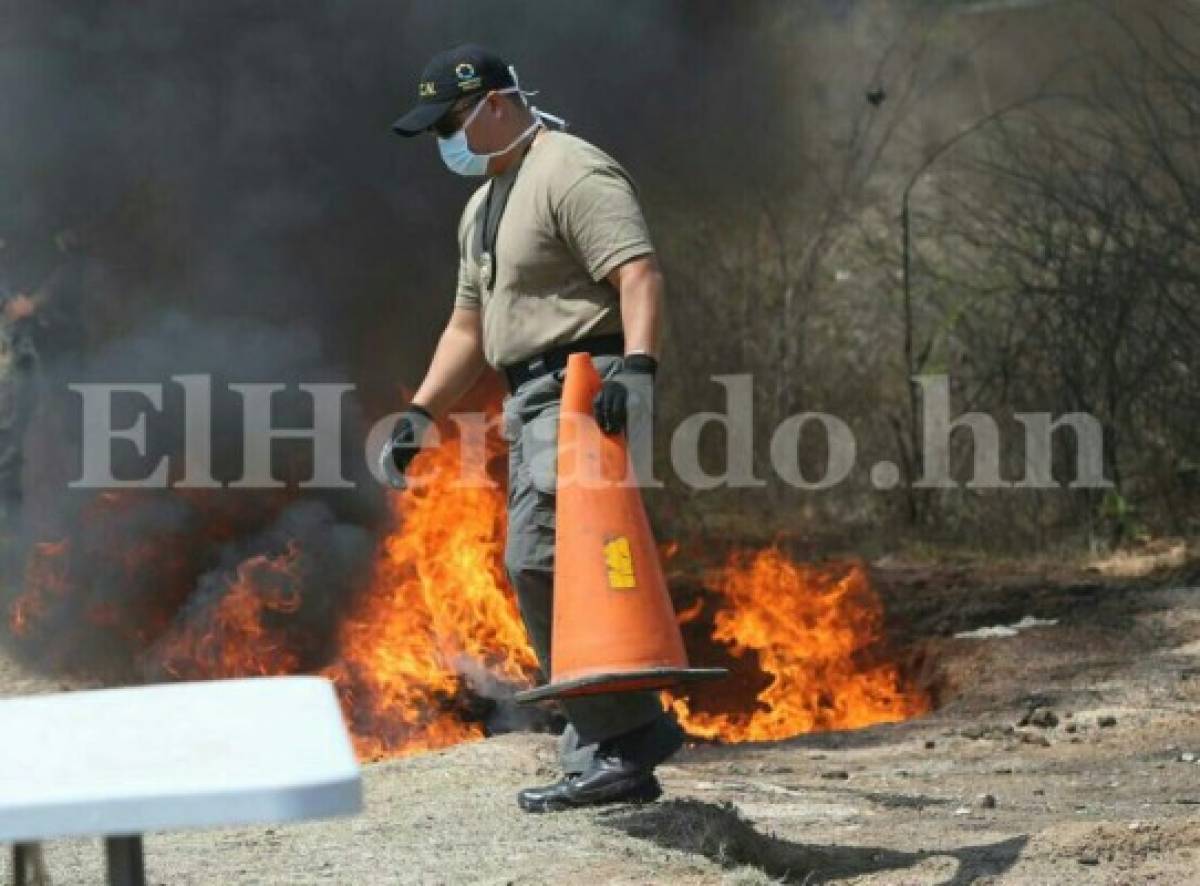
[{"x": 539, "y": 450}]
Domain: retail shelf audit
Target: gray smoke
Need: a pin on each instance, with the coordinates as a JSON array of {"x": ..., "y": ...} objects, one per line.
[
  {"x": 244, "y": 210},
  {"x": 139, "y": 564},
  {"x": 236, "y": 159}
]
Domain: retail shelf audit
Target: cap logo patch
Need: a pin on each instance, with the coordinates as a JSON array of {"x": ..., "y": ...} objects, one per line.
[
  {"x": 428, "y": 88},
  {"x": 467, "y": 79}
]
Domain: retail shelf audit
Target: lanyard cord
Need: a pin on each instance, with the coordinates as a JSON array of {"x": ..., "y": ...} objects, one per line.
[{"x": 489, "y": 244}]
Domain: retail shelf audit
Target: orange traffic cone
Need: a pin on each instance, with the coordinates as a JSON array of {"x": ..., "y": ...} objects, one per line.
[{"x": 614, "y": 627}]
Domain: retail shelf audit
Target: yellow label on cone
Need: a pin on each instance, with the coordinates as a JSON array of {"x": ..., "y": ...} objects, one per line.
[{"x": 619, "y": 559}]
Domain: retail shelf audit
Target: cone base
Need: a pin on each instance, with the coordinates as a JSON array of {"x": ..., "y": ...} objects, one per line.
[{"x": 620, "y": 681}]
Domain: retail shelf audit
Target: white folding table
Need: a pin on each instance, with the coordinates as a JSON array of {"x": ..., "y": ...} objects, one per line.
[{"x": 119, "y": 763}]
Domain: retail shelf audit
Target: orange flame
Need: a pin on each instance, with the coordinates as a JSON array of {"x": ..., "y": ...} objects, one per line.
[
  {"x": 812, "y": 630},
  {"x": 235, "y": 637},
  {"x": 46, "y": 578},
  {"x": 437, "y": 614},
  {"x": 438, "y": 606}
]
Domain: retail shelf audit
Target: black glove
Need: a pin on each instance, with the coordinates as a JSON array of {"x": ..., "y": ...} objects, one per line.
[
  {"x": 635, "y": 379},
  {"x": 404, "y": 444}
]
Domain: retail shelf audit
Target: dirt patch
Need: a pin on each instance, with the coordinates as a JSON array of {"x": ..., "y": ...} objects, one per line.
[{"x": 989, "y": 789}]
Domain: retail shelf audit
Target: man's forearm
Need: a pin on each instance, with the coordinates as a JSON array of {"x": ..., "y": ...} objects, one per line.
[
  {"x": 641, "y": 308},
  {"x": 456, "y": 365}
]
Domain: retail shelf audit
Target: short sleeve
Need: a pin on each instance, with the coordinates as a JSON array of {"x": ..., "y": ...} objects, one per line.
[
  {"x": 467, "y": 293},
  {"x": 599, "y": 218}
]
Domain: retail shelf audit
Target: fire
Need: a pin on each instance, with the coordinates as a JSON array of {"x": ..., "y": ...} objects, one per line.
[
  {"x": 438, "y": 606},
  {"x": 242, "y": 630},
  {"x": 433, "y": 627},
  {"x": 812, "y": 631},
  {"x": 45, "y": 580}
]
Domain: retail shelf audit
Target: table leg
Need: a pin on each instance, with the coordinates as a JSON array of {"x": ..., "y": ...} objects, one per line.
[
  {"x": 18, "y": 864},
  {"x": 125, "y": 866},
  {"x": 29, "y": 869}
]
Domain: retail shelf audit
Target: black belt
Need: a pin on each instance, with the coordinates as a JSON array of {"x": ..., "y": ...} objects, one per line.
[{"x": 556, "y": 358}]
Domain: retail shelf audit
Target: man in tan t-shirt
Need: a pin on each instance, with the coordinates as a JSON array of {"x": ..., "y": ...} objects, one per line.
[{"x": 554, "y": 258}]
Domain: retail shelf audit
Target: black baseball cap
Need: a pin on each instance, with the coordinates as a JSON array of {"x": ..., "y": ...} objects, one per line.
[{"x": 451, "y": 74}]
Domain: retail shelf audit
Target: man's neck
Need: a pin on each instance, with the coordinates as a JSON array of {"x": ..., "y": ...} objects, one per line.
[{"x": 507, "y": 160}]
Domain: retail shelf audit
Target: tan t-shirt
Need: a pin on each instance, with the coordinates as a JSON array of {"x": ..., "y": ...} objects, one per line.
[{"x": 572, "y": 217}]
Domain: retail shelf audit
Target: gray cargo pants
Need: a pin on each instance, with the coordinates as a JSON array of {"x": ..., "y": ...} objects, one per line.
[{"x": 530, "y": 426}]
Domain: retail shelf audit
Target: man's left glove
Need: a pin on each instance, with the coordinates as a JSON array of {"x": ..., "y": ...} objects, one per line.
[
  {"x": 635, "y": 381},
  {"x": 404, "y": 444}
]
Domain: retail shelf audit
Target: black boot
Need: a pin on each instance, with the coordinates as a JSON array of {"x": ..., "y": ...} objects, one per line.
[
  {"x": 621, "y": 771},
  {"x": 610, "y": 779}
]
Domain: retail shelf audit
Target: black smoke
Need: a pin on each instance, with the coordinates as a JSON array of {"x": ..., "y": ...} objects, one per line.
[
  {"x": 235, "y": 159},
  {"x": 241, "y": 209}
]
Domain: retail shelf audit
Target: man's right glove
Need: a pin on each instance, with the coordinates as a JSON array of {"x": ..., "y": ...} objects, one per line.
[{"x": 404, "y": 444}]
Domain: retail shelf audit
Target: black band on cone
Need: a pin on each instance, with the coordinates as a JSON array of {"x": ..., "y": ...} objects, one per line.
[{"x": 620, "y": 681}]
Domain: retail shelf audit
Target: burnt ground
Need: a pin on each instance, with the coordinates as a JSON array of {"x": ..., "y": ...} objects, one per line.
[{"x": 1098, "y": 790}]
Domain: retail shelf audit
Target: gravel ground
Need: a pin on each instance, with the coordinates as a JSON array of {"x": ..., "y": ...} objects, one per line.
[{"x": 1097, "y": 791}]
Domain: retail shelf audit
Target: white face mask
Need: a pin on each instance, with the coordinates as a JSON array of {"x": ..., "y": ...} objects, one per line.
[{"x": 456, "y": 152}]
